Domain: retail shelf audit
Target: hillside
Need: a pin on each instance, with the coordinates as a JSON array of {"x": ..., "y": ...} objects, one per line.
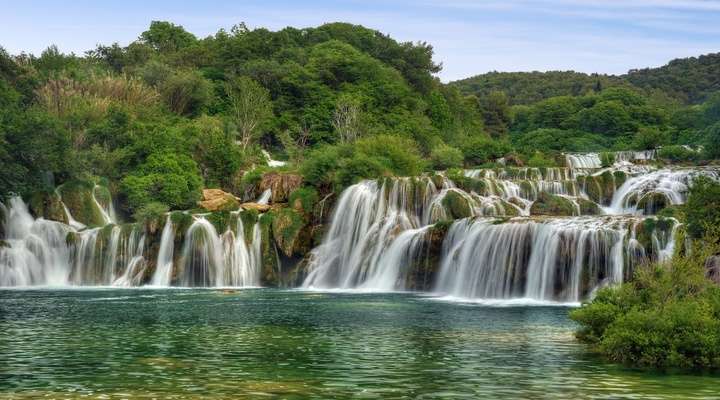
[{"x": 689, "y": 80}]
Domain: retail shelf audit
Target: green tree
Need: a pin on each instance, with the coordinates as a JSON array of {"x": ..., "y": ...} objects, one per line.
[
  {"x": 250, "y": 108},
  {"x": 496, "y": 113},
  {"x": 167, "y": 178},
  {"x": 167, "y": 37}
]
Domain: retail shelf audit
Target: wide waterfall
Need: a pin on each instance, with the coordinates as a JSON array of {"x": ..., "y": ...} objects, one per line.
[
  {"x": 40, "y": 252},
  {"x": 552, "y": 234}
]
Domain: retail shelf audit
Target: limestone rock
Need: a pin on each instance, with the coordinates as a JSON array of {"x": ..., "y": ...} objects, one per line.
[
  {"x": 218, "y": 200},
  {"x": 548, "y": 204},
  {"x": 281, "y": 185},
  {"x": 255, "y": 206}
]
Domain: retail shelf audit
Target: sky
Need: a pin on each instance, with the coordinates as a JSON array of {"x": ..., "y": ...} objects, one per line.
[{"x": 469, "y": 37}]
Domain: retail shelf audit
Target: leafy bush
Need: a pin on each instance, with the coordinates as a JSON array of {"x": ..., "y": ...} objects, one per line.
[
  {"x": 677, "y": 153},
  {"x": 151, "y": 211},
  {"x": 305, "y": 197},
  {"x": 702, "y": 209},
  {"x": 668, "y": 316},
  {"x": 482, "y": 149},
  {"x": 444, "y": 157},
  {"x": 539, "y": 160},
  {"x": 171, "y": 179}
]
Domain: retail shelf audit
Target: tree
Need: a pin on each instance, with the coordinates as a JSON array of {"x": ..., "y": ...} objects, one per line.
[
  {"x": 346, "y": 119},
  {"x": 496, "y": 113},
  {"x": 167, "y": 178},
  {"x": 167, "y": 37},
  {"x": 250, "y": 107}
]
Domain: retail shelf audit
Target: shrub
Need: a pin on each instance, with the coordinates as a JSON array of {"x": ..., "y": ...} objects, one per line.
[
  {"x": 481, "y": 149},
  {"x": 702, "y": 209},
  {"x": 151, "y": 211},
  {"x": 678, "y": 153},
  {"x": 444, "y": 157},
  {"x": 168, "y": 178},
  {"x": 304, "y": 197},
  {"x": 668, "y": 316},
  {"x": 538, "y": 160}
]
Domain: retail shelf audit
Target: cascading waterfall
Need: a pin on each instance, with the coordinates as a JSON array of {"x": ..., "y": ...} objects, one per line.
[
  {"x": 373, "y": 226},
  {"x": 40, "y": 252},
  {"x": 210, "y": 259},
  {"x": 666, "y": 185},
  {"x": 537, "y": 259}
]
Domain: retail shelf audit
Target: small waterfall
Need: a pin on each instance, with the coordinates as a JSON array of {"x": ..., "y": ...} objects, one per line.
[
  {"x": 40, "y": 252},
  {"x": 264, "y": 197},
  {"x": 35, "y": 251},
  {"x": 667, "y": 185},
  {"x": 210, "y": 259},
  {"x": 583, "y": 161},
  {"x": 163, "y": 268},
  {"x": 108, "y": 213}
]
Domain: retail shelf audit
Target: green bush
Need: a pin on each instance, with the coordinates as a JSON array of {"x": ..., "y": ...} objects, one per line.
[
  {"x": 150, "y": 211},
  {"x": 166, "y": 178},
  {"x": 539, "y": 160},
  {"x": 305, "y": 197},
  {"x": 677, "y": 153},
  {"x": 482, "y": 149},
  {"x": 668, "y": 316},
  {"x": 444, "y": 157},
  {"x": 702, "y": 209}
]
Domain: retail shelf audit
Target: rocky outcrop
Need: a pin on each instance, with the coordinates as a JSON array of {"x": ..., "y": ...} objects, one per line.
[
  {"x": 281, "y": 185},
  {"x": 78, "y": 198},
  {"x": 712, "y": 268},
  {"x": 47, "y": 205},
  {"x": 548, "y": 204},
  {"x": 457, "y": 205},
  {"x": 218, "y": 200},
  {"x": 256, "y": 206}
]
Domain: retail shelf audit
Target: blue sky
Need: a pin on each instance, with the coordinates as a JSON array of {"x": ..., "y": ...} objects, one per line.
[{"x": 470, "y": 37}]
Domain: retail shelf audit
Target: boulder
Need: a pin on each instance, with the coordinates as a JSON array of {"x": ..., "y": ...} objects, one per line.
[
  {"x": 548, "y": 204},
  {"x": 712, "y": 269},
  {"x": 47, "y": 205},
  {"x": 255, "y": 206},
  {"x": 281, "y": 185},
  {"x": 218, "y": 200},
  {"x": 457, "y": 204}
]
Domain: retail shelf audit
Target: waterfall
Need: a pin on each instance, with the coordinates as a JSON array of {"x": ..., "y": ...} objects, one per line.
[
  {"x": 367, "y": 230},
  {"x": 668, "y": 185},
  {"x": 41, "y": 252},
  {"x": 210, "y": 259},
  {"x": 163, "y": 267},
  {"x": 583, "y": 161},
  {"x": 537, "y": 259},
  {"x": 264, "y": 197},
  {"x": 108, "y": 213}
]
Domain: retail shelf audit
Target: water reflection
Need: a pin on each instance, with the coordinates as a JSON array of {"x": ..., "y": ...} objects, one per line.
[{"x": 293, "y": 344}]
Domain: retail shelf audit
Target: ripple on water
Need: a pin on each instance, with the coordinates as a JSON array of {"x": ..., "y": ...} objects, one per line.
[{"x": 232, "y": 343}]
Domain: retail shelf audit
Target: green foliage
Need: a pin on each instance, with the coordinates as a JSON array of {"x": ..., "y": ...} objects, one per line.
[
  {"x": 712, "y": 141},
  {"x": 539, "y": 160},
  {"x": 167, "y": 37},
  {"x": 702, "y": 209},
  {"x": 166, "y": 178},
  {"x": 186, "y": 92},
  {"x": 150, "y": 211},
  {"x": 648, "y": 138},
  {"x": 677, "y": 153},
  {"x": 304, "y": 197},
  {"x": 667, "y": 316},
  {"x": 481, "y": 149},
  {"x": 443, "y": 157}
]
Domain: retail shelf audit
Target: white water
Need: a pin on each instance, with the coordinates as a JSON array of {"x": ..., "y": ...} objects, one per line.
[
  {"x": 38, "y": 252},
  {"x": 163, "y": 268},
  {"x": 264, "y": 197},
  {"x": 211, "y": 259}
]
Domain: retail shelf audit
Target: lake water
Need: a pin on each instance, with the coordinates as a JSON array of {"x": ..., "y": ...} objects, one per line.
[{"x": 266, "y": 343}]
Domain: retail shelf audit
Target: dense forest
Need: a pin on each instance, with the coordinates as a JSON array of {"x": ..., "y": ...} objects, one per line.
[{"x": 171, "y": 113}]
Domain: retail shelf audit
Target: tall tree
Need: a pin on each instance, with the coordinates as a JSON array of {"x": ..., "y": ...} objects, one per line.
[
  {"x": 250, "y": 107},
  {"x": 346, "y": 119}
]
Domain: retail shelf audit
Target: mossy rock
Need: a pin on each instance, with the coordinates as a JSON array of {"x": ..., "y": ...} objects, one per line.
[
  {"x": 269, "y": 274},
  {"x": 548, "y": 204},
  {"x": 437, "y": 180},
  {"x": 588, "y": 207},
  {"x": 457, "y": 205},
  {"x": 652, "y": 202},
  {"x": 287, "y": 226},
  {"x": 304, "y": 199},
  {"x": 78, "y": 198},
  {"x": 47, "y": 205},
  {"x": 221, "y": 220},
  {"x": 249, "y": 218},
  {"x": 509, "y": 207}
]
